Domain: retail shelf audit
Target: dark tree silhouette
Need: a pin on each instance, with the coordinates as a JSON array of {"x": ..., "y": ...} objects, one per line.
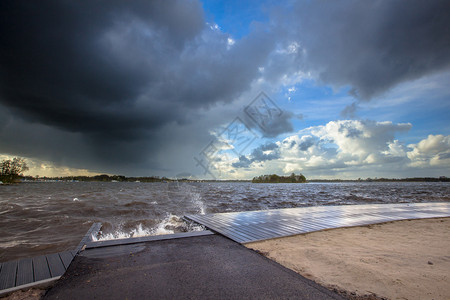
[{"x": 12, "y": 169}]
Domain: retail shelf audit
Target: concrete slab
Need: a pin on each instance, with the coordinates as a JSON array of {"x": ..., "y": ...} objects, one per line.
[{"x": 204, "y": 267}]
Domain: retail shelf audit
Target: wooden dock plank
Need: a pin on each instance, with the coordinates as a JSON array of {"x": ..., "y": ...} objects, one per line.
[
  {"x": 40, "y": 268},
  {"x": 66, "y": 258},
  {"x": 55, "y": 265},
  {"x": 248, "y": 234},
  {"x": 278, "y": 229},
  {"x": 296, "y": 229},
  {"x": 254, "y": 232},
  {"x": 232, "y": 234},
  {"x": 24, "y": 272},
  {"x": 88, "y": 236},
  {"x": 8, "y": 275},
  {"x": 29, "y": 270},
  {"x": 257, "y": 233}
]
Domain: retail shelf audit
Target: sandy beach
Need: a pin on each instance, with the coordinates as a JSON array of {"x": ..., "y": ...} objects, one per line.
[{"x": 407, "y": 259}]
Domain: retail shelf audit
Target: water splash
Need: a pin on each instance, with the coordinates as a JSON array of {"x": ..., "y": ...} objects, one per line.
[
  {"x": 119, "y": 234},
  {"x": 187, "y": 191},
  {"x": 197, "y": 200},
  {"x": 169, "y": 225}
]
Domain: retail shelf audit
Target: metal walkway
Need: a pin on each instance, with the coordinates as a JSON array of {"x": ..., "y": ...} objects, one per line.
[
  {"x": 25, "y": 272},
  {"x": 251, "y": 226},
  {"x": 29, "y": 270}
]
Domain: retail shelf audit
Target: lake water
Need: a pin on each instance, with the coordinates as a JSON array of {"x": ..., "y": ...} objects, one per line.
[{"x": 42, "y": 218}]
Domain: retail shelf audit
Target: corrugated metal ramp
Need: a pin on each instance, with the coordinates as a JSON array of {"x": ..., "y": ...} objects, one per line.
[
  {"x": 27, "y": 272},
  {"x": 251, "y": 226}
]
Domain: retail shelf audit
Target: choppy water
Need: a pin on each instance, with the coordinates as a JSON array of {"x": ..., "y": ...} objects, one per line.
[{"x": 41, "y": 218}]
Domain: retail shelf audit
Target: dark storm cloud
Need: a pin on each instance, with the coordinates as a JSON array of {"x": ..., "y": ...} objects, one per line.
[
  {"x": 262, "y": 153},
  {"x": 62, "y": 63},
  {"x": 350, "y": 111},
  {"x": 445, "y": 155},
  {"x": 275, "y": 124},
  {"x": 115, "y": 72},
  {"x": 243, "y": 162},
  {"x": 306, "y": 144},
  {"x": 279, "y": 125},
  {"x": 371, "y": 45}
]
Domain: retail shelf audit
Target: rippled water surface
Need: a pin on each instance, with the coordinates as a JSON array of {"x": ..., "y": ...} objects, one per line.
[{"x": 41, "y": 218}]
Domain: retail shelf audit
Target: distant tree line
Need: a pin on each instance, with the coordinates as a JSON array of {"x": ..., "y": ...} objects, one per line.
[
  {"x": 274, "y": 178},
  {"x": 414, "y": 179},
  {"x": 121, "y": 178},
  {"x": 105, "y": 178}
]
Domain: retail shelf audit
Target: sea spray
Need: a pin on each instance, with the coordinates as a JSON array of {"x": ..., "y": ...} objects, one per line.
[
  {"x": 197, "y": 201},
  {"x": 169, "y": 225},
  {"x": 119, "y": 234},
  {"x": 189, "y": 191}
]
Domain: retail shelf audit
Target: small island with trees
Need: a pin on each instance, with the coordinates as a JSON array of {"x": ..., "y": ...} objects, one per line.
[{"x": 279, "y": 179}]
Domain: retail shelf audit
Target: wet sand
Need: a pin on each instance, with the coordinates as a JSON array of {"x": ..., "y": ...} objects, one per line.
[
  {"x": 30, "y": 294},
  {"x": 407, "y": 259}
]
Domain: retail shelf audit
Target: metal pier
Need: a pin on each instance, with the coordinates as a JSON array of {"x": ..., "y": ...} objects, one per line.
[
  {"x": 27, "y": 272},
  {"x": 251, "y": 226}
]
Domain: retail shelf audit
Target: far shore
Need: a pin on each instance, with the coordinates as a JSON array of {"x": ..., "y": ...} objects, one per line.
[
  {"x": 190, "y": 179},
  {"x": 407, "y": 259}
]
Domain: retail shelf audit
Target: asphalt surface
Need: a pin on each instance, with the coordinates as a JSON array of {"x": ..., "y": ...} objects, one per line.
[{"x": 206, "y": 267}]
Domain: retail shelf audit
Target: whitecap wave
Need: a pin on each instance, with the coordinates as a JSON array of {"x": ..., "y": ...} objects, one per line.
[
  {"x": 136, "y": 232},
  {"x": 169, "y": 225}
]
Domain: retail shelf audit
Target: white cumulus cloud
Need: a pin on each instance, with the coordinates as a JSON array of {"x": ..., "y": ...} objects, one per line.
[
  {"x": 352, "y": 149},
  {"x": 432, "y": 151}
]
